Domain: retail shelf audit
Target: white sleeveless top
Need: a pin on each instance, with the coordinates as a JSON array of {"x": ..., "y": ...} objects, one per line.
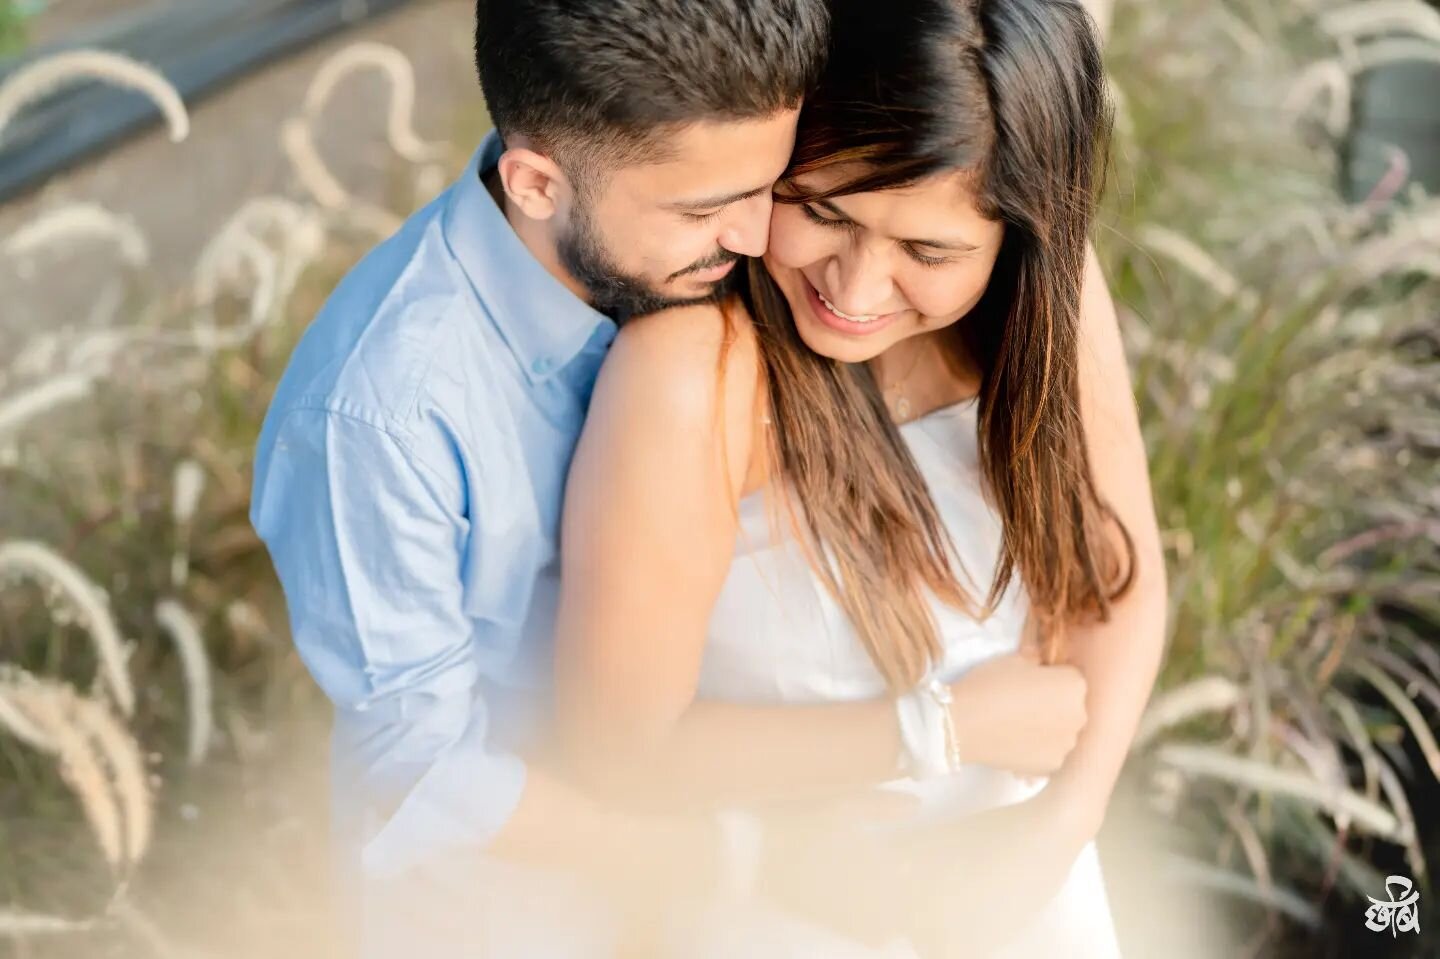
[{"x": 777, "y": 636}]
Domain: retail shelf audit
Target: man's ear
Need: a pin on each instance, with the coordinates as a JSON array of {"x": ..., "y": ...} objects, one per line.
[{"x": 533, "y": 182}]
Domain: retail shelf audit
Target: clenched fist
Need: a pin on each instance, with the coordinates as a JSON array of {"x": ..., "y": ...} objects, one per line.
[{"x": 1013, "y": 713}]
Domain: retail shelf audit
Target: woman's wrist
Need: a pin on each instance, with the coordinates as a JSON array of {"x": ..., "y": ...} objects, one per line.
[
  {"x": 929, "y": 737},
  {"x": 968, "y": 724}
]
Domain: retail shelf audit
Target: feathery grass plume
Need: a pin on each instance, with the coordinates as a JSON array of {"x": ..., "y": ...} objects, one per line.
[
  {"x": 247, "y": 237},
  {"x": 1252, "y": 847},
  {"x": 430, "y": 179},
  {"x": 1196, "y": 760},
  {"x": 19, "y": 924},
  {"x": 75, "y": 222},
  {"x": 244, "y": 620},
  {"x": 1377, "y": 53},
  {"x": 299, "y": 146},
  {"x": 127, "y": 772},
  {"x": 302, "y": 246},
  {"x": 13, "y": 719},
  {"x": 1328, "y": 79},
  {"x": 1208, "y": 694},
  {"x": 37, "y": 561},
  {"x": 51, "y": 706},
  {"x": 182, "y": 629},
  {"x": 36, "y": 358},
  {"x": 1189, "y": 255},
  {"x": 36, "y": 401},
  {"x": 1410, "y": 244},
  {"x": 1241, "y": 34},
  {"x": 270, "y": 219},
  {"x": 1403, "y": 704},
  {"x": 188, "y": 484},
  {"x": 297, "y": 134},
  {"x": 315, "y": 176},
  {"x": 1378, "y": 17},
  {"x": 396, "y": 68},
  {"x": 36, "y": 79},
  {"x": 361, "y": 217},
  {"x": 262, "y": 263}
]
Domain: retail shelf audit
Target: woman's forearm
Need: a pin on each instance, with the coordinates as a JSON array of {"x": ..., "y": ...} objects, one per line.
[
  {"x": 737, "y": 752},
  {"x": 1119, "y": 659}
]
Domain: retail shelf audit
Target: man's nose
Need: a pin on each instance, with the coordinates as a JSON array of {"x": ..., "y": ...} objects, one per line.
[{"x": 748, "y": 232}]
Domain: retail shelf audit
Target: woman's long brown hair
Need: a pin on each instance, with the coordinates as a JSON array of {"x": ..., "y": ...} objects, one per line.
[{"x": 1011, "y": 91}]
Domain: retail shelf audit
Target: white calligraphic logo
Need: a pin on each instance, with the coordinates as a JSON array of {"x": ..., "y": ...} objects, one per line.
[{"x": 1400, "y": 914}]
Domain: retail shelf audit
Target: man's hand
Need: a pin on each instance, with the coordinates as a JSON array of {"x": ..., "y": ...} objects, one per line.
[{"x": 1013, "y": 713}]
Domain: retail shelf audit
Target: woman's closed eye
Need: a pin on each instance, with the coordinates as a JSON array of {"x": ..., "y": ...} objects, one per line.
[
  {"x": 815, "y": 217},
  {"x": 923, "y": 259},
  {"x": 703, "y": 217},
  {"x": 910, "y": 250}
]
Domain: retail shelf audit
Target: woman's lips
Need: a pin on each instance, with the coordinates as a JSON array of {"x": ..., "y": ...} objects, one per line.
[{"x": 839, "y": 323}]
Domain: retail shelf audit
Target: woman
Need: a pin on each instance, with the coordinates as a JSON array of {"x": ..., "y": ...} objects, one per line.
[{"x": 797, "y": 519}]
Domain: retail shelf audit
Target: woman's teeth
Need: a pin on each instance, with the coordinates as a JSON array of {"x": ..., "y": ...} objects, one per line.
[{"x": 862, "y": 318}]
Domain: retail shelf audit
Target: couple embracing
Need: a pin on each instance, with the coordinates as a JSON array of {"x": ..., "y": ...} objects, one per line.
[{"x": 720, "y": 518}]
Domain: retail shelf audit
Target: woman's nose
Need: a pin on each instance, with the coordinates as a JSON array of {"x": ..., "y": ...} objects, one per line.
[{"x": 861, "y": 283}]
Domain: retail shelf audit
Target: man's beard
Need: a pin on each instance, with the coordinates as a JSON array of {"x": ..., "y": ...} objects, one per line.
[{"x": 621, "y": 295}]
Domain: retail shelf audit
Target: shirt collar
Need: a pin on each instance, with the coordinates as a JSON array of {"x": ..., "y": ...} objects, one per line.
[{"x": 542, "y": 321}]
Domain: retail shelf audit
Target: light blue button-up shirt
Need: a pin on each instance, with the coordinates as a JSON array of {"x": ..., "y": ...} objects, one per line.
[{"x": 408, "y": 485}]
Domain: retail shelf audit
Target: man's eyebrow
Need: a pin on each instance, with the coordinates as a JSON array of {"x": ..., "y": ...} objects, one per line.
[
  {"x": 955, "y": 246},
  {"x": 710, "y": 203}
]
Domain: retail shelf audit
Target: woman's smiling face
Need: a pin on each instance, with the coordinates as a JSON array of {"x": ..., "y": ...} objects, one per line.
[{"x": 863, "y": 271}]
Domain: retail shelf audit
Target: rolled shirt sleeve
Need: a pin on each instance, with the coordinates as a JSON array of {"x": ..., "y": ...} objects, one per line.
[{"x": 369, "y": 538}]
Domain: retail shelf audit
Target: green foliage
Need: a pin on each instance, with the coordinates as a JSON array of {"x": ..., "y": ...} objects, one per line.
[
  {"x": 1285, "y": 356},
  {"x": 13, "y": 15}
]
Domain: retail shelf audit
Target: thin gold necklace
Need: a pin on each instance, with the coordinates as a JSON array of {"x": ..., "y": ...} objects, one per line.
[{"x": 900, "y": 407}]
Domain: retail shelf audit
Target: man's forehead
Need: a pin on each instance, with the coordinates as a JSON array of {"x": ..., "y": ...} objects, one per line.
[{"x": 713, "y": 162}]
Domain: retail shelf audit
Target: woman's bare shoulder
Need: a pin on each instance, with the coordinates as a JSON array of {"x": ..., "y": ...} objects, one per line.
[
  {"x": 690, "y": 369},
  {"x": 687, "y": 359}
]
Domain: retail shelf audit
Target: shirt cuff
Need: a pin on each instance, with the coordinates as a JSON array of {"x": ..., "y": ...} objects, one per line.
[{"x": 458, "y": 804}]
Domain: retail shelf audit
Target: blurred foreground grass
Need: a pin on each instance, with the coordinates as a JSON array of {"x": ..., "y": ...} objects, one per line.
[{"x": 1285, "y": 350}]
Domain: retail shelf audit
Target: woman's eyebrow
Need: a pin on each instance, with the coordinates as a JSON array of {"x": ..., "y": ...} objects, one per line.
[{"x": 955, "y": 246}]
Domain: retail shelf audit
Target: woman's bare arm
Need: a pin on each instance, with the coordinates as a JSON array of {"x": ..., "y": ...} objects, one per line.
[
  {"x": 648, "y": 537},
  {"x": 1119, "y": 657}
]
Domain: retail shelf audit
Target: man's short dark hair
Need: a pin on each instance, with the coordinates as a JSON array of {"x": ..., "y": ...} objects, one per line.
[{"x": 606, "y": 78}]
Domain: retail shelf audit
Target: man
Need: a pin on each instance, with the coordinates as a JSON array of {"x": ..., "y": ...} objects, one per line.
[{"x": 409, "y": 474}]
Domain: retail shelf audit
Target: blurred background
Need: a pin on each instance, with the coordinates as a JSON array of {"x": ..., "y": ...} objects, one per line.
[{"x": 182, "y": 183}]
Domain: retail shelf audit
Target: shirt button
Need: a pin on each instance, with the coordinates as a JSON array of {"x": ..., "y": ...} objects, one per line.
[{"x": 542, "y": 366}]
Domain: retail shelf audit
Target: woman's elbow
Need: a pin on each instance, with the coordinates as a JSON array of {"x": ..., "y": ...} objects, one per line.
[{"x": 1151, "y": 584}]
